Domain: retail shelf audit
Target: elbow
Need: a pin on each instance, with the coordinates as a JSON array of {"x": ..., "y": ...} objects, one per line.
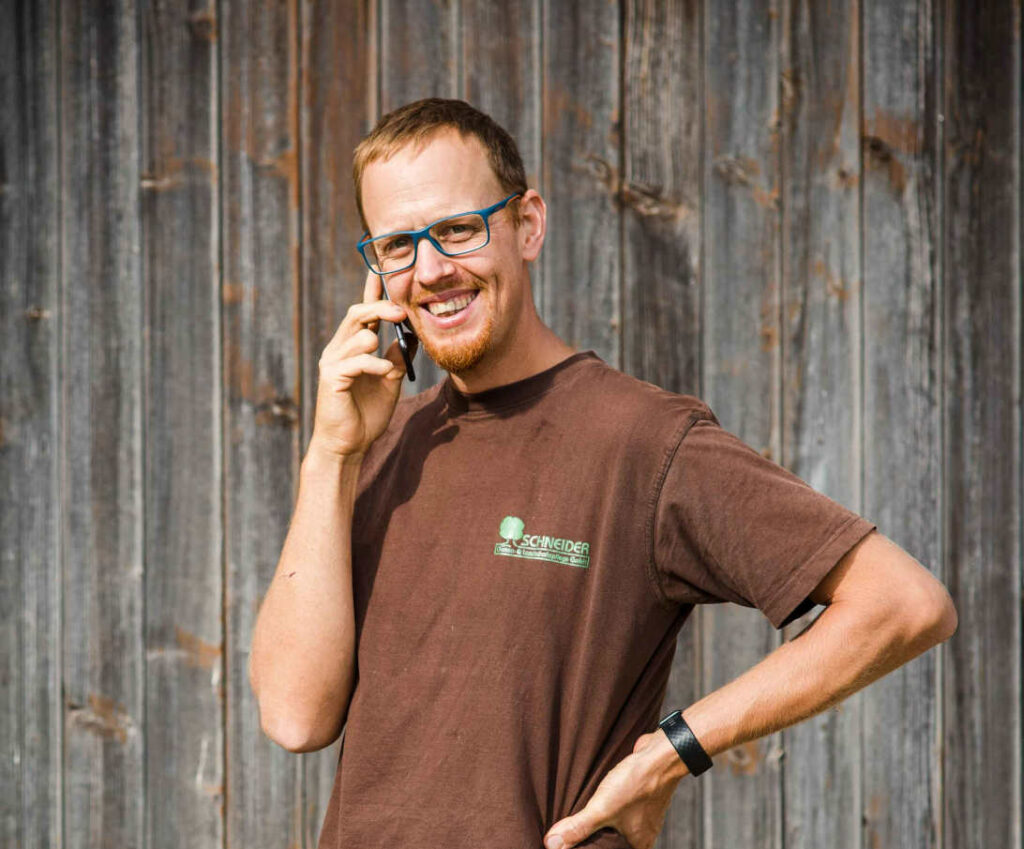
[
  {"x": 937, "y": 617},
  {"x": 299, "y": 734},
  {"x": 296, "y": 736}
]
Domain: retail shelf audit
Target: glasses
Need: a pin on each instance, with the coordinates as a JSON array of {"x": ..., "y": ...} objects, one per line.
[{"x": 452, "y": 236}]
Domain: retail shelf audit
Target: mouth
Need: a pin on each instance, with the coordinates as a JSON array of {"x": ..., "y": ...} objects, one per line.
[{"x": 451, "y": 308}]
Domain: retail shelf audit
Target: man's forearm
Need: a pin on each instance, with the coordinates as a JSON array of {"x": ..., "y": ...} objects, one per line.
[
  {"x": 302, "y": 662},
  {"x": 843, "y": 651}
]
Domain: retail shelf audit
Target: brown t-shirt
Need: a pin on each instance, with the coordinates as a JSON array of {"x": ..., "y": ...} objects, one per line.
[{"x": 523, "y": 559}]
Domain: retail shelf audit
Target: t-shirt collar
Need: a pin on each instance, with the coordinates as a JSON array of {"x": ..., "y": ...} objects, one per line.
[{"x": 513, "y": 394}]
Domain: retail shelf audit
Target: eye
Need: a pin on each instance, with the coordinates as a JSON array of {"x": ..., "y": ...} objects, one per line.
[{"x": 395, "y": 244}]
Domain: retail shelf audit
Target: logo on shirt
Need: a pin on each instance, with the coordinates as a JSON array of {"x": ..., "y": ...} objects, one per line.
[{"x": 518, "y": 543}]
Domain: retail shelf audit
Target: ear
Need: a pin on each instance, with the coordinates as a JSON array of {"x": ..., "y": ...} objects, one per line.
[{"x": 533, "y": 217}]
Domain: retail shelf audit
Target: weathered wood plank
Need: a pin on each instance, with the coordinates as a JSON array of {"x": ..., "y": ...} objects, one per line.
[
  {"x": 104, "y": 666},
  {"x": 742, "y": 362},
  {"x": 660, "y": 193},
  {"x": 31, "y": 714},
  {"x": 981, "y": 273},
  {"x": 660, "y": 198},
  {"x": 501, "y": 76},
  {"x": 184, "y": 576},
  {"x": 580, "y": 298},
  {"x": 821, "y": 280},
  {"x": 902, "y": 403},
  {"x": 419, "y": 54},
  {"x": 339, "y": 85},
  {"x": 261, "y": 329}
]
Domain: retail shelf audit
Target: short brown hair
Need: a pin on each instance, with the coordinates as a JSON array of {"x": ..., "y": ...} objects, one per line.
[{"x": 416, "y": 122}]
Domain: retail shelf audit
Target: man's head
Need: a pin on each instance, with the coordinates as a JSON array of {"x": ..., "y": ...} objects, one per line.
[
  {"x": 437, "y": 158},
  {"x": 416, "y": 123}
]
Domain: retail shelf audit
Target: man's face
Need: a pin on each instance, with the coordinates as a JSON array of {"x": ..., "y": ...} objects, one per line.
[{"x": 450, "y": 175}]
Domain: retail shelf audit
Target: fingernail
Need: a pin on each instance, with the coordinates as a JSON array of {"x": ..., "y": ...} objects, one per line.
[{"x": 555, "y": 842}]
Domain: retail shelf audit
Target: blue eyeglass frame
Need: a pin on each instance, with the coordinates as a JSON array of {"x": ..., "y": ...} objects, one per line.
[{"x": 419, "y": 235}]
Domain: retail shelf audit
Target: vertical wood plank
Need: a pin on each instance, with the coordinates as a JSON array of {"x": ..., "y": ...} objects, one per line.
[
  {"x": 261, "y": 329},
  {"x": 660, "y": 197},
  {"x": 821, "y": 279},
  {"x": 660, "y": 193},
  {"x": 981, "y": 267},
  {"x": 420, "y": 48},
  {"x": 104, "y": 673},
  {"x": 184, "y": 592},
  {"x": 742, "y": 363},
  {"x": 501, "y": 53},
  {"x": 338, "y": 84},
  {"x": 31, "y": 712},
  {"x": 580, "y": 298},
  {"x": 902, "y": 386}
]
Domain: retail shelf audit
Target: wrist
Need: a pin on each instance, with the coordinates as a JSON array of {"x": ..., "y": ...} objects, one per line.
[{"x": 321, "y": 457}]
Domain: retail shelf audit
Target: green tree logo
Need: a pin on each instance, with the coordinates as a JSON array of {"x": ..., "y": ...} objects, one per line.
[{"x": 511, "y": 529}]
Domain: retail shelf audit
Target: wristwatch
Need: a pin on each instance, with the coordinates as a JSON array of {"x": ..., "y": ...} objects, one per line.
[{"x": 691, "y": 752}]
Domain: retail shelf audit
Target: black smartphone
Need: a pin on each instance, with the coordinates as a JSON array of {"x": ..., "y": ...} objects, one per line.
[{"x": 406, "y": 337}]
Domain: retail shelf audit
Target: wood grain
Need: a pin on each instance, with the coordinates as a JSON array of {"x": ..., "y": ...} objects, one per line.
[
  {"x": 261, "y": 332},
  {"x": 821, "y": 335},
  {"x": 102, "y": 438},
  {"x": 184, "y": 575},
  {"x": 581, "y": 296},
  {"x": 902, "y": 395},
  {"x": 30, "y": 428},
  {"x": 981, "y": 767}
]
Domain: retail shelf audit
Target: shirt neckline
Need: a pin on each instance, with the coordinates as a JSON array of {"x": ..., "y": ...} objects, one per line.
[{"x": 515, "y": 393}]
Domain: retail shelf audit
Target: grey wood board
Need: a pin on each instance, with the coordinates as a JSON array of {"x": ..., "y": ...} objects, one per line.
[
  {"x": 339, "y": 65},
  {"x": 820, "y": 339},
  {"x": 980, "y": 242},
  {"x": 742, "y": 363},
  {"x": 582, "y": 169},
  {"x": 184, "y": 575},
  {"x": 32, "y": 714},
  {"x": 902, "y": 394},
  {"x": 102, "y": 447},
  {"x": 261, "y": 326},
  {"x": 660, "y": 193}
]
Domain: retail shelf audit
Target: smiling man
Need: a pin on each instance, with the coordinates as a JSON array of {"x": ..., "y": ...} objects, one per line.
[{"x": 483, "y": 584}]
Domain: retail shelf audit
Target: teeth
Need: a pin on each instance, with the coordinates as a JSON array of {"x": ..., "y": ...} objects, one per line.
[{"x": 453, "y": 305}]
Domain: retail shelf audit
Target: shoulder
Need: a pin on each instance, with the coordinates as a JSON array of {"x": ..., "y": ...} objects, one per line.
[{"x": 626, "y": 402}]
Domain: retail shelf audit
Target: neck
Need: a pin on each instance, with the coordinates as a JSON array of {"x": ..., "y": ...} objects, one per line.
[{"x": 533, "y": 349}]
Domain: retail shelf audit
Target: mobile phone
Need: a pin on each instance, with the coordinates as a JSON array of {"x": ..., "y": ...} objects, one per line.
[{"x": 406, "y": 338}]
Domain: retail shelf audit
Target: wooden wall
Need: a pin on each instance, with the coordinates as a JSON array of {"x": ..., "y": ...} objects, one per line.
[{"x": 808, "y": 212}]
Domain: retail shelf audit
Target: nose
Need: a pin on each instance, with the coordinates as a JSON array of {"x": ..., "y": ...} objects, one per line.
[{"x": 431, "y": 266}]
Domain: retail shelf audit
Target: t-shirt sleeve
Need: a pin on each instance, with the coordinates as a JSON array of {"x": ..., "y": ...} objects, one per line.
[{"x": 732, "y": 525}]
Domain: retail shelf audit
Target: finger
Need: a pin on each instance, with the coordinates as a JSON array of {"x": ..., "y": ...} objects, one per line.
[
  {"x": 353, "y": 367},
  {"x": 372, "y": 288},
  {"x": 360, "y": 316},
  {"x": 572, "y": 830},
  {"x": 394, "y": 355}
]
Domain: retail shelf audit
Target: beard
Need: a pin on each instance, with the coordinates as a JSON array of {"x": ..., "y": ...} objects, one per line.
[{"x": 459, "y": 356}]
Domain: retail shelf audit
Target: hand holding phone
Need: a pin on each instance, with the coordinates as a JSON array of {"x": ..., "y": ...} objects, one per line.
[{"x": 359, "y": 390}]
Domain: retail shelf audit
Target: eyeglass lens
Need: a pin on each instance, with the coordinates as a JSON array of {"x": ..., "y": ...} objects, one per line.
[{"x": 457, "y": 235}]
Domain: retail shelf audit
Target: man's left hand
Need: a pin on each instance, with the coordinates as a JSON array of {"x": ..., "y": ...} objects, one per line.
[{"x": 633, "y": 798}]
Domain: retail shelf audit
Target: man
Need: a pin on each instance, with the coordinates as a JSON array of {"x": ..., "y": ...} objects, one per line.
[{"x": 483, "y": 583}]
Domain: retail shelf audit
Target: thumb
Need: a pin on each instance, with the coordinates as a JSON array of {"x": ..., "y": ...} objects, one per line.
[{"x": 570, "y": 831}]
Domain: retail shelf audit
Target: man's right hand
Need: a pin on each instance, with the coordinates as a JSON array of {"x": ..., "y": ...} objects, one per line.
[{"x": 358, "y": 391}]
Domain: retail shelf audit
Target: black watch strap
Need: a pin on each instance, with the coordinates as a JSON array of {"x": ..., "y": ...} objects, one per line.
[{"x": 691, "y": 752}]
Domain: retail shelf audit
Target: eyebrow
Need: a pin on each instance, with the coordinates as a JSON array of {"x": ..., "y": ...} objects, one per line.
[{"x": 428, "y": 224}]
